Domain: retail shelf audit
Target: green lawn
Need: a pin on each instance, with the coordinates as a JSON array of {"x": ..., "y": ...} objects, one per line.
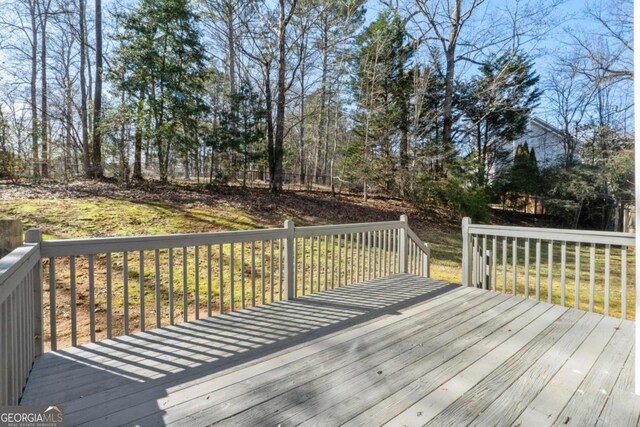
[{"x": 69, "y": 217}]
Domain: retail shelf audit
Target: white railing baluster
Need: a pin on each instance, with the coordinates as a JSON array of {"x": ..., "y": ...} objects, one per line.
[
  {"x": 196, "y": 274},
  {"x": 505, "y": 243},
  {"x": 326, "y": 266},
  {"x": 339, "y": 260},
  {"x": 157, "y": 296},
  {"x": 185, "y": 284},
  {"x": 483, "y": 267},
  {"x": 346, "y": 260},
  {"x": 304, "y": 264},
  {"x": 232, "y": 276},
  {"x": 125, "y": 291},
  {"x": 494, "y": 256},
  {"x": 526, "y": 268},
  {"x": 623, "y": 282},
  {"x": 171, "y": 308},
  {"x": 281, "y": 253},
  {"x": 221, "y": 278},
  {"x": 311, "y": 275},
  {"x": 607, "y": 275},
  {"x": 333, "y": 260},
  {"x": 271, "y": 274},
  {"x": 109, "y": 291},
  {"x": 242, "y": 276},
  {"x": 210, "y": 283},
  {"x": 74, "y": 310},
  {"x": 549, "y": 271},
  {"x": 92, "y": 299},
  {"x": 514, "y": 262},
  {"x": 52, "y": 304},
  {"x": 563, "y": 273},
  {"x": 538, "y": 245},
  {"x": 253, "y": 274},
  {"x": 577, "y": 276},
  {"x": 262, "y": 282},
  {"x": 141, "y": 286},
  {"x": 592, "y": 275}
]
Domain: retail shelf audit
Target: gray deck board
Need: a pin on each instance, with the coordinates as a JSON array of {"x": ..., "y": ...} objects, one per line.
[
  {"x": 402, "y": 350},
  {"x": 588, "y": 401}
]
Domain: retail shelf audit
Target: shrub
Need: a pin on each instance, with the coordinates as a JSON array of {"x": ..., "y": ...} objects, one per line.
[{"x": 453, "y": 193}]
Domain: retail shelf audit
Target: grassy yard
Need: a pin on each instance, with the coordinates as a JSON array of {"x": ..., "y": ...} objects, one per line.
[
  {"x": 104, "y": 210},
  {"x": 108, "y": 211}
]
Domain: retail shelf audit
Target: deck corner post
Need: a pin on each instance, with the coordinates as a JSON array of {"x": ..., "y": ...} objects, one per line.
[
  {"x": 34, "y": 236},
  {"x": 404, "y": 243},
  {"x": 466, "y": 252},
  {"x": 289, "y": 264}
]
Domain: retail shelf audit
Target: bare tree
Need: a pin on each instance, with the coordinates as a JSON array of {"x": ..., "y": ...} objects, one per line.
[
  {"x": 97, "y": 170},
  {"x": 569, "y": 98},
  {"x": 447, "y": 18}
]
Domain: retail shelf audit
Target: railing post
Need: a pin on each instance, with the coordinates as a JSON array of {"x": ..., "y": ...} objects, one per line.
[
  {"x": 404, "y": 244},
  {"x": 426, "y": 259},
  {"x": 35, "y": 236},
  {"x": 466, "y": 252},
  {"x": 290, "y": 260}
]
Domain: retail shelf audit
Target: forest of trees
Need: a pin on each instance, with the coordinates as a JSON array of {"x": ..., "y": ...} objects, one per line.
[{"x": 417, "y": 98}]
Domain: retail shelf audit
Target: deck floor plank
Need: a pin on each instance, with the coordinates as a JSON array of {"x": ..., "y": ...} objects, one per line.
[
  {"x": 399, "y": 402},
  {"x": 300, "y": 403},
  {"x": 402, "y": 350},
  {"x": 506, "y": 408},
  {"x": 623, "y": 406},
  {"x": 435, "y": 402},
  {"x": 261, "y": 385},
  {"x": 474, "y": 401},
  {"x": 590, "y": 398},
  {"x": 546, "y": 407},
  {"x": 107, "y": 380}
]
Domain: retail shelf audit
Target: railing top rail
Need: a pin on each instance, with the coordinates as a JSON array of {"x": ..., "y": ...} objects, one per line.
[
  {"x": 553, "y": 234},
  {"x": 78, "y": 247},
  {"x": 321, "y": 230},
  {"x": 16, "y": 265}
]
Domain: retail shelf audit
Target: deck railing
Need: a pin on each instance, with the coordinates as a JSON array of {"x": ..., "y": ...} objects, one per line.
[
  {"x": 582, "y": 269},
  {"x": 106, "y": 287},
  {"x": 20, "y": 317}
]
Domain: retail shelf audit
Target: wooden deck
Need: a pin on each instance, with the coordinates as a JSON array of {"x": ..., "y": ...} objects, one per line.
[{"x": 403, "y": 350}]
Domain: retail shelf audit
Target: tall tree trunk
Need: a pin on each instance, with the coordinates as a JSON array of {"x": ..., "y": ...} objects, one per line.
[
  {"x": 302, "y": 111},
  {"x": 98, "y": 171},
  {"x": 447, "y": 119},
  {"x": 44, "y": 122},
  {"x": 83, "y": 90},
  {"x": 278, "y": 178},
  {"x": 269, "y": 107},
  {"x": 137, "y": 157},
  {"x": 231, "y": 42},
  {"x": 323, "y": 140},
  {"x": 34, "y": 90}
]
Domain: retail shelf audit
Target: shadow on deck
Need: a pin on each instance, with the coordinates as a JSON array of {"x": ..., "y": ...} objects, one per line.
[{"x": 403, "y": 350}]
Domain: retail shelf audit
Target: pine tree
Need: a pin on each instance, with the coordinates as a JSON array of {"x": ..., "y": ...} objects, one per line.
[
  {"x": 161, "y": 60},
  {"x": 382, "y": 88},
  {"x": 498, "y": 104}
]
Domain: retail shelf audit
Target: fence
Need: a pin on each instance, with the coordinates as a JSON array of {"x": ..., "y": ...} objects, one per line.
[
  {"x": 106, "y": 287},
  {"x": 509, "y": 259}
]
